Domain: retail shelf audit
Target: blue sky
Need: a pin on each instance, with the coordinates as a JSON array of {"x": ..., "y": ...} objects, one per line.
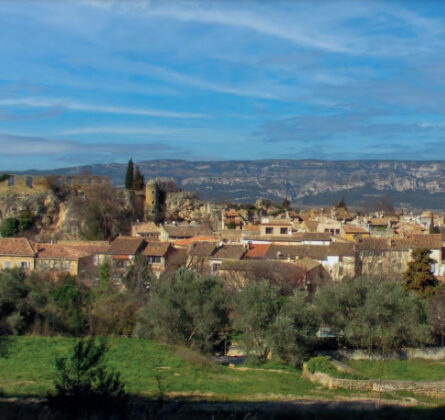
[{"x": 101, "y": 81}]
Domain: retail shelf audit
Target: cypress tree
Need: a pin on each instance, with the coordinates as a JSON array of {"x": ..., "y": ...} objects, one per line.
[
  {"x": 419, "y": 276},
  {"x": 129, "y": 177},
  {"x": 139, "y": 182}
]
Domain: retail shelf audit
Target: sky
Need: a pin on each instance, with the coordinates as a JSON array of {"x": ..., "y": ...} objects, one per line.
[{"x": 85, "y": 82}]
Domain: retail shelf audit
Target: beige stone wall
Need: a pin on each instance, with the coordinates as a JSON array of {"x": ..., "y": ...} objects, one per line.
[
  {"x": 30, "y": 184},
  {"x": 16, "y": 262},
  {"x": 434, "y": 389}
]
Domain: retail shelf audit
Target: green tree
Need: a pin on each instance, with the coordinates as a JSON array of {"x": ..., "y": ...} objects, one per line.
[
  {"x": 129, "y": 176},
  {"x": 437, "y": 314},
  {"x": 257, "y": 307},
  {"x": 419, "y": 276},
  {"x": 285, "y": 204},
  {"x": 292, "y": 334},
  {"x": 9, "y": 227},
  {"x": 189, "y": 309},
  {"x": 377, "y": 315},
  {"x": 69, "y": 300},
  {"x": 432, "y": 229},
  {"x": 139, "y": 182},
  {"x": 26, "y": 219},
  {"x": 84, "y": 382},
  {"x": 139, "y": 277}
]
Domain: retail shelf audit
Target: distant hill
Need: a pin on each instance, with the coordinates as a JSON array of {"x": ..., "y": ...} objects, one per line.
[{"x": 409, "y": 184}]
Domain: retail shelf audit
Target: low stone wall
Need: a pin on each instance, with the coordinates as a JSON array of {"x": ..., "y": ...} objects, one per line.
[
  {"x": 429, "y": 389},
  {"x": 429, "y": 353}
]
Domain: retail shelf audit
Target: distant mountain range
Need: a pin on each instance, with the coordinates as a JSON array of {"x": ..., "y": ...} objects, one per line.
[{"x": 409, "y": 184}]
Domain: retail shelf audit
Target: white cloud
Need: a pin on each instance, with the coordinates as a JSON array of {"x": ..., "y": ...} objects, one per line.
[{"x": 36, "y": 102}]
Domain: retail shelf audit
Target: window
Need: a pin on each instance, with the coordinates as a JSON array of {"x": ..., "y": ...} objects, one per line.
[
  {"x": 28, "y": 181},
  {"x": 24, "y": 265},
  {"x": 283, "y": 231},
  {"x": 340, "y": 270},
  {"x": 154, "y": 260},
  {"x": 269, "y": 231},
  {"x": 215, "y": 268},
  {"x": 66, "y": 265},
  {"x": 95, "y": 259},
  {"x": 7, "y": 264}
]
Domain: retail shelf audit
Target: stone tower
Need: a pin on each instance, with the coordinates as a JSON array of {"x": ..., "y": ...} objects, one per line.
[{"x": 153, "y": 199}]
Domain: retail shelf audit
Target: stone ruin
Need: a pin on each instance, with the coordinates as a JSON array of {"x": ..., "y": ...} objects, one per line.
[{"x": 31, "y": 184}]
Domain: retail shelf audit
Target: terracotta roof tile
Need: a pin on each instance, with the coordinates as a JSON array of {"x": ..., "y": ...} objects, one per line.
[
  {"x": 230, "y": 251},
  {"x": 17, "y": 247},
  {"x": 126, "y": 246},
  {"x": 58, "y": 251},
  {"x": 257, "y": 251},
  {"x": 156, "y": 249},
  {"x": 202, "y": 249}
]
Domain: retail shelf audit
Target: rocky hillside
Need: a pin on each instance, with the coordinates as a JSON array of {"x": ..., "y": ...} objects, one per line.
[{"x": 411, "y": 184}]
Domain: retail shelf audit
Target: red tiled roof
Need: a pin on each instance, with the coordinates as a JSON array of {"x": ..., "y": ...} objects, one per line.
[
  {"x": 156, "y": 249},
  {"x": 21, "y": 247},
  {"x": 257, "y": 251},
  {"x": 125, "y": 246},
  {"x": 58, "y": 251}
]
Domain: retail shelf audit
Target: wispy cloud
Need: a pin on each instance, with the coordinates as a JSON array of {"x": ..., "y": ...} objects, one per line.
[{"x": 37, "y": 102}]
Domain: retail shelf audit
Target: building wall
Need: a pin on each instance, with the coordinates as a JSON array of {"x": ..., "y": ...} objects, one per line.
[
  {"x": 16, "y": 262},
  {"x": 30, "y": 184}
]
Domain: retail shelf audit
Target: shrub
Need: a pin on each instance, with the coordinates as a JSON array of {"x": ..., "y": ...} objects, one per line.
[
  {"x": 9, "y": 227},
  {"x": 321, "y": 364},
  {"x": 83, "y": 381}
]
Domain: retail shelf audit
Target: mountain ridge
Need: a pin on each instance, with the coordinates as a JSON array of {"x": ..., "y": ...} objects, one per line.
[{"x": 409, "y": 184}]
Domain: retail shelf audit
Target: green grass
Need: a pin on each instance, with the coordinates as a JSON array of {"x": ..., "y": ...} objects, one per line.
[
  {"x": 415, "y": 370},
  {"x": 29, "y": 371}
]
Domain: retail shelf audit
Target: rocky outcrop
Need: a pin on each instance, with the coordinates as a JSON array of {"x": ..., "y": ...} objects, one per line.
[{"x": 188, "y": 207}]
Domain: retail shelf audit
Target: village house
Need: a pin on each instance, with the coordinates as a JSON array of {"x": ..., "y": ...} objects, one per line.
[
  {"x": 17, "y": 252},
  {"x": 276, "y": 228},
  {"x": 147, "y": 230},
  {"x": 390, "y": 256},
  {"x": 156, "y": 254},
  {"x": 176, "y": 232},
  {"x": 353, "y": 232},
  {"x": 123, "y": 250},
  {"x": 232, "y": 219},
  {"x": 225, "y": 252},
  {"x": 57, "y": 258},
  {"x": 199, "y": 255}
]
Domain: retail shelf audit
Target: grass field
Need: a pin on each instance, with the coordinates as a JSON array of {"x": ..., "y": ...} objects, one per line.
[
  {"x": 415, "y": 370},
  {"x": 29, "y": 371}
]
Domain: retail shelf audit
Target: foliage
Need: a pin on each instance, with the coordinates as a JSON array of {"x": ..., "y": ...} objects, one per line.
[
  {"x": 139, "y": 277},
  {"x": 285, "y": 204},
  {"x": 69, "y": 301},
  {"x": 188, "y": 309},
  {"x": 158, "y": 205},
  {"x": 321, "y": 364},
  {"x": 83, "y": 381},
  {"x": 419, "y": 276},
  {"x": 292, "y": 335},
  {"x": 437, "y": 314},
  {"x": 257, "y": 307},
  {"x": 102, "y": 213},
  {"x": 9, "y": 227},
  {"x": 4, "y": 177},
  {"x": 26, "y": 219},
  {"x": 231, "y": 225},
  {"x": 341, "y": 204},
  {"x": 129, "y": 176},
  {"x": 376, "y": 315},
  {"x": 139, "y": 182}
]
